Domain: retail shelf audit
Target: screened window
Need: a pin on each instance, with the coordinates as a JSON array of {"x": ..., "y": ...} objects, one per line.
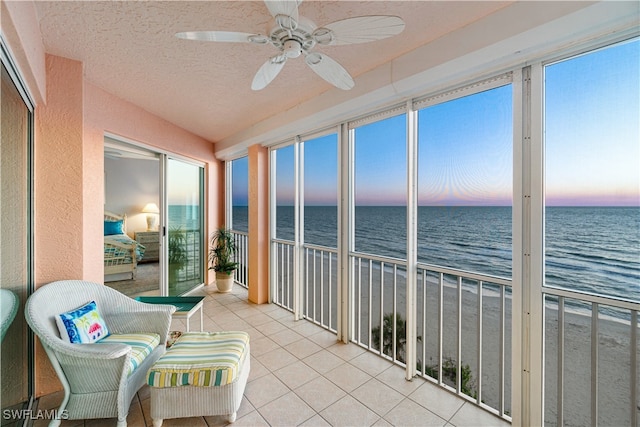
[
  {"x": 592, "y": 153},
  {"x": 380, "y": 187},
  {"x": 240, "y": 194},
  {"x": 321, "y": 191}
]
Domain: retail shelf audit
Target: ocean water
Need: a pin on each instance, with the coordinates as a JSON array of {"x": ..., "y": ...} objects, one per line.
[{"x": 593, "y": 249}]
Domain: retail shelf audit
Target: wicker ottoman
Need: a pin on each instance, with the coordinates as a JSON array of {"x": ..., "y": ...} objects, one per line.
[{"x": 202, "y": 374}]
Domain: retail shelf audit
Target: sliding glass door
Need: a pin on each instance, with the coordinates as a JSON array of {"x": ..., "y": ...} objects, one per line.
[
  {"x": 184, "y": 229},
  {"x": 16, "y": 275}
]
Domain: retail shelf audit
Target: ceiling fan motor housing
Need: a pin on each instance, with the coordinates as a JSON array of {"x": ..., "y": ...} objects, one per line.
[
  {"x": 302, "y": 36},
  {"x": 292, "y": 48}
]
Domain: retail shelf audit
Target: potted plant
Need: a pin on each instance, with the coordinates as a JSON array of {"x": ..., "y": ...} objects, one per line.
[
  {"x": 177, "y": 253},
  {"x": 222, "y": 258}
]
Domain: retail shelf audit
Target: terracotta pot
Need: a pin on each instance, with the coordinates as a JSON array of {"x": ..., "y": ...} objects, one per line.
[{"x": 224, "y": 282}]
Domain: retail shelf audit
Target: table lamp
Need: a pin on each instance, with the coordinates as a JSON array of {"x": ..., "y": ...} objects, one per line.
[{"x": 152, "y": 211}]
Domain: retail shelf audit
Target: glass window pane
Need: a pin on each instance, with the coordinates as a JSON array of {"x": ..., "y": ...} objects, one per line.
[
  {"x": 380, "y": 187},
  {"x": 15, "y": 224},
  {"x": 465, "y": 182},
  {"x": 185, "y": 243},
  {"x": 240, "y": 194},
  {"x": 592, "y": 153},
  {"x": 285, "y": 193},
  {"x": 321, "y": 191}
]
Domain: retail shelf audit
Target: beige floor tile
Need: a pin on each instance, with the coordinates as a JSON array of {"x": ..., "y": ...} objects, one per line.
[
  {"x": 377, "y": 396},
  {"x": 346, "y": 351},
  {"x": 264, "y": 390},
  {"x": 257, "y": 370},
  {"x": 271, "y": 327},
  {"x": 303, "y": 348},
  {"x": 471, "y": 416},
  {"x": 435, "y": 399},
  {"x": 394, "y": 377},
  {"x": 305, "y": 328},
  {"x": 348, "y": 377},
  {"x": 315, "y": 421},
  {"x": 276, "y": 359},
  {"x": 280, "y": 313},
  {"x": 324, "y": 339},
  {"x": 409, "y": 413},
  {"x": 287, "y": 410},
  {"x": 323, "y": 361},
  {"x": 262, "y": 345},
  {"x": 256, "y": 318},
  {"x": 286, "y": 337},
  {"x": 319, "y": 393},
  {"x": 296, "y": 374},
  {"x": 252, "y": 419},
  {"x": 371, "y": 363},
  {"x": 349, "y": 412}
]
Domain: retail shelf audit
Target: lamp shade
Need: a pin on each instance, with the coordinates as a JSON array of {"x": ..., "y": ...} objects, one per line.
[{"x": 151, "y": 208}]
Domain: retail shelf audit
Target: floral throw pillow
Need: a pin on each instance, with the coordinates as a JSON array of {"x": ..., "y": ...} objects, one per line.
[{"x": 83, "y": 325}]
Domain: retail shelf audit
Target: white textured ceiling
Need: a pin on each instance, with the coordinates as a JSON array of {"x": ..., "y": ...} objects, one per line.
[{"x": 129, "y": 49}]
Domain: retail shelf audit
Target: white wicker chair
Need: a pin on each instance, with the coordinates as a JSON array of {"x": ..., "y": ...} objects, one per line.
[{"x": 94, "y": 377}]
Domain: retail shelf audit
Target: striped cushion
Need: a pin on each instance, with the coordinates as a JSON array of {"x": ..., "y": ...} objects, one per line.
[
  {"x": 204, "y": 359},
  {"x": 141, "y": 346}
]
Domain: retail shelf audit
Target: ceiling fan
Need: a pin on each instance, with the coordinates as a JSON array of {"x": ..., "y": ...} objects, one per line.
[{"x": 295, "y": 35}]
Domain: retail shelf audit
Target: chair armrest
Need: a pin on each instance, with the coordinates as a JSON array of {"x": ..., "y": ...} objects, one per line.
[
  {"x": 155, "y": 318},
  {"x": 79, "y": 364}
]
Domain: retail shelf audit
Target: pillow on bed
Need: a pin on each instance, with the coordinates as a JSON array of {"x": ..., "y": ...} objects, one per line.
[
  {"x": 83, "y": 325},
  {"x": 113, "y": 227}
]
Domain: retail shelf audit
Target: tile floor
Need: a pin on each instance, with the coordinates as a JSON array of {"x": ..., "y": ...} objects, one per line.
[{"x": 301, "y": 376}]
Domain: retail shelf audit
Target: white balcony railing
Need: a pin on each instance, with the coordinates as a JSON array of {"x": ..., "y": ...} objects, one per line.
[
  {"x": 464, "y": 322},
  {"x": 591, "y": 359},
  {"x": 241, "y": 240}
]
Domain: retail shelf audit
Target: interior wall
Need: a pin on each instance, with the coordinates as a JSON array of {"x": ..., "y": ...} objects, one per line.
[{"x": 129, "y": 185}]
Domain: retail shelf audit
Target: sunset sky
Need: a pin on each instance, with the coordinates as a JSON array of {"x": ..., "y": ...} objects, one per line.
[{"x": 592, "y": 145}]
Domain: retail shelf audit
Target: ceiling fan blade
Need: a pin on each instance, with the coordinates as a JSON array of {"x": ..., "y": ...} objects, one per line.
[
  {"x": 329, "y": 70},
  {"x": 268, "y": 71},
  {"x": 283, "y": 7},
  {"x": 217, "y": 36},
  {"x": 360, "y": 29}
]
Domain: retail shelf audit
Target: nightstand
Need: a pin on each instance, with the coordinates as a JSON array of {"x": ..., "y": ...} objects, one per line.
[{"x": 151, "y": 241}]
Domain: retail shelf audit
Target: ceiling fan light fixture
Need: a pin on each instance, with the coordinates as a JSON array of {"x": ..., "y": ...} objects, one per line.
[{"x": 292, "y": 49}]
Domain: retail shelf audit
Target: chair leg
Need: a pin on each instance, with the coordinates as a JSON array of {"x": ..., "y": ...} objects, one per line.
[
  {"x": 65, "y": 385},
  {"x": 122, "y": 423},
  {"x": 157, "y": 422},
  {"x": 232, "y": 417}
]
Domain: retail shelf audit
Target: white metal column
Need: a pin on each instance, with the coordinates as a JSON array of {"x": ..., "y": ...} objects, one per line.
[
  {"x": 273, "y": 252},
  {"x": 298, "y": 253},
  {"x": 528, "y": 249},
  {"x": 228, "y": 194},
  {"x": 345, "y": 231},
  {"x": 412, "y": 239}
]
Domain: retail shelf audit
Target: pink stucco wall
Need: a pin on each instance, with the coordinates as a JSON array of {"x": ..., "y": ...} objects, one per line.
[
  {"x": 21, "y": 31},
  {"x": 71, "y": 118},
  {"x": 105, "y": 112}
]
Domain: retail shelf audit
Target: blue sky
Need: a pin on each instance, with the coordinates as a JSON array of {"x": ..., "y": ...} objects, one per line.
[{"x": 592, "y": 145}]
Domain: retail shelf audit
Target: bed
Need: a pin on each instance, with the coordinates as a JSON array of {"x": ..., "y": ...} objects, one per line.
[{"x": 121, "y": 252}]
